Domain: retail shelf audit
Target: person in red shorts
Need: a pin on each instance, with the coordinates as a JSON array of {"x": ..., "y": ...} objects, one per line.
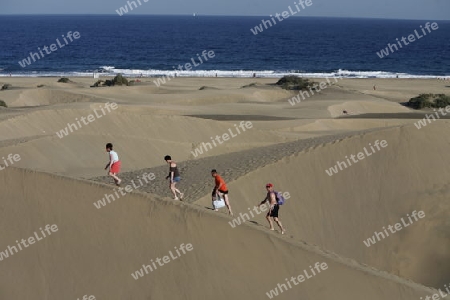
[
  {"x": 113, "y": 164},
  {"x": 220, "y": 189}
]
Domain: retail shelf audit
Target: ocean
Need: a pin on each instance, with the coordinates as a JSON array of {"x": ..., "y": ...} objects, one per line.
[{"x": 159, "y": 45}]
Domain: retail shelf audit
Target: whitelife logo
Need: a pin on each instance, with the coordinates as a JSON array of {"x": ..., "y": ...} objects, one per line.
[
  {"x": 147, "y": 177},
  {"x": 186, "y": 66},
  {"x": 422, "y": 123},
  {"x": 411, "y": 38},
  {"x": 124, "y": 9},
  {"x": 360, "y": 155},
  {"x": 86, "y": 120},
  {"x": 316, "y": 87},
  {"x": 165, "y": 260},
  {"x": 86, "y": 297},
  {"x": 199, "y": 150},
  {"x": 372, "y": 240},
  {"x": 11, "y": 158},
  {"x": 284, "y": 15},
  {"x": 33, "y": 55},
  {"x": 437, "y": 296},
  {"x": 318, "y": 267},
  {"x": 31, "y": 240}
]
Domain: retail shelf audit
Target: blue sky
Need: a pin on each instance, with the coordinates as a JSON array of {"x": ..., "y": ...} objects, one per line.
[{"x": 397, "y": 9}]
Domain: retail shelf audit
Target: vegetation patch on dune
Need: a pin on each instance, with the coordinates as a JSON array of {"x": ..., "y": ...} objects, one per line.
[
  {"x": 2, "y": 103},
  {"x": 294, "y": 83},
  {"x": 6, "y": 86},
  {"x": 64, "y": 80},
  {"x": 429, "y": 100},
  {"x": 207, "y": 88},
  {"x": 118, "y": 80},
  {"x": 99, "y": 83}
]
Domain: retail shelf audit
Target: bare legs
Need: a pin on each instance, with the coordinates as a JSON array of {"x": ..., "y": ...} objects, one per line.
[
  {"x": 227, "y": 202},
  {"x": 116, "y": 179},
  {"x": 214, "y": 197},
  {"x": 175, "y": 191},
  {"x": 276, "y": 221}
]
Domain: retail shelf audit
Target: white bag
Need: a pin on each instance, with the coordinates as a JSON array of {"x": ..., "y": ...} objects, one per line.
[{"x": 220, "y": 202}]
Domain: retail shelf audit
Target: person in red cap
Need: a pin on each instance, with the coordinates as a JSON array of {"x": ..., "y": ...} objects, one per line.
[{"x": 273, "y": 207}]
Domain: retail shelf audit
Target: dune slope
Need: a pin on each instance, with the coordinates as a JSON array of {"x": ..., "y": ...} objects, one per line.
[
  {"x": 341, "y": 211},
  {"x": 95, "y": 251}
]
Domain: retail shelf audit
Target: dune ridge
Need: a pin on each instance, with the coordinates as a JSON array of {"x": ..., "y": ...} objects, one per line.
[
  {"x": 102, "y": 248},
  {"x": 196, "y": 177}
]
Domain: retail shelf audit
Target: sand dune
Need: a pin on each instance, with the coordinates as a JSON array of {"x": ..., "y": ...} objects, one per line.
[
  {"x": 143, "y": 140},
  {"x": 336, "y": 125},
  {"x": 339, "y": 212},
  {"x": 328, "y": 218},
  {"x": 398, "y": 90},
  {"x": 97, "y": 250},
  {"x": 362, "y": 107}
]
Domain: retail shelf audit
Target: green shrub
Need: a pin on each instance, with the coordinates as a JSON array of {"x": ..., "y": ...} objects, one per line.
[
  {"x": 429, "y": 101},
  {"x": 6, "y": 86},
  {"x": 41, "y": 85},
  {"x": 2, "y": 103},
  {"x": 98, "y": 83},
  {"x": 294, "y": 83},
  {"x": 64, "y": 80},
  {"x": 120, "y": 80},
  {"x": 442, "y": 101}
]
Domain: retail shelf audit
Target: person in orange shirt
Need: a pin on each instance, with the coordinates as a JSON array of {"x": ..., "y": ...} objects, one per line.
[{"x": 220, "y": 189}]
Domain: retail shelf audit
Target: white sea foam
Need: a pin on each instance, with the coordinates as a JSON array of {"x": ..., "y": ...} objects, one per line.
[{"x": 105, "y": 71}]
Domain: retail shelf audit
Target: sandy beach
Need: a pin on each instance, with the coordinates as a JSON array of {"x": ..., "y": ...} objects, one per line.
[{"x": 273, "y": 136}]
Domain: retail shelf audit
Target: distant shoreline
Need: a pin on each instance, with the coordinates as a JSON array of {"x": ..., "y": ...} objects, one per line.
[{"x": 3, "y": 76}]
